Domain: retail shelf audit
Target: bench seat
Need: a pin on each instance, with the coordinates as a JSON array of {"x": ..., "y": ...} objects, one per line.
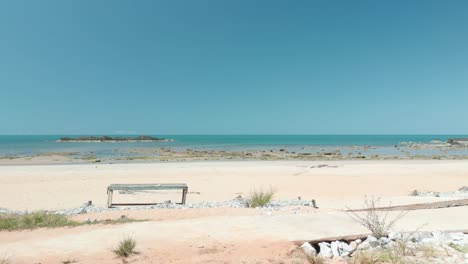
[{"x": 143, "y": 187}]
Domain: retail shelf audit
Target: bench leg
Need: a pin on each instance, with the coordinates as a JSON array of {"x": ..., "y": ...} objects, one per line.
[
  {"x": 184, "y": 195},
  {"x": 109, "y": 198}
]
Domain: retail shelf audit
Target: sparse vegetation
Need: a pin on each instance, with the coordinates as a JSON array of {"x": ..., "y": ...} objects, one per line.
[
  {"x": 259, "y": 198},
  {"x": 42, "y": 219},
  {"x": 365, "y": 257},
  {"x": 121, "y": 220},
  {"x": 376, "y": 221},
  {"x": 459, "y": 248},
  {"x": 390, "y": 256},
  {"x": 428, "y": 251},
  {"x": 210, "y": 250},
  {"x": 125, "y": 249},
  {"x": 34, "y": 220},
  {"x": 401, "y": 248}
]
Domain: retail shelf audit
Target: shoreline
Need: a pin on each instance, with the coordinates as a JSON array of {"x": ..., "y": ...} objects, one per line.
[
  {"x": 164, "y": 155},
  {"x": 27, "y": 163}
]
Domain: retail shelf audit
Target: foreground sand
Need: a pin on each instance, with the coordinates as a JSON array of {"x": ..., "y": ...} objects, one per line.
[{"x": 218, "y": 235}]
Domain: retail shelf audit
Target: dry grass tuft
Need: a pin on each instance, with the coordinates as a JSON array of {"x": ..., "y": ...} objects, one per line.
[
  {"x": 259, "y": 198},
  {"x": 428, "y": 251},
  {"x": 376, "y": 221},
  {"x": 365, "y": 257},
  {"x": 126, "y": 248}
]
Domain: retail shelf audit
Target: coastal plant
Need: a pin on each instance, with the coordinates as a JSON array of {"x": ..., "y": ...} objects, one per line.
[
  {"x": 401, "y": 247},
  {"x": 43, "y": 219},
  {"x": 259, "y": 198},
  {"x": 365, "y": 257},
  {"x": 390, "y": 256},
  {"x": 125, "y": 249},
  {"x": 378, "y": 222},
  {"x": 34, "y": 220},
  {"x": 428, "y": 251}
]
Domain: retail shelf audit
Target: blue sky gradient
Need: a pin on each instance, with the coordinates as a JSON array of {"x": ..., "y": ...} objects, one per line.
[{"x": 233, "y": 67}]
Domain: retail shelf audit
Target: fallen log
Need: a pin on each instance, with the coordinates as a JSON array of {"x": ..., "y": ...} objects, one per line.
[{"x": 420, "y": 206}]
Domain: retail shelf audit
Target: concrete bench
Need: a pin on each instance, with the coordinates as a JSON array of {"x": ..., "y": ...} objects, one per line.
[{"x": 145, "y": 187}]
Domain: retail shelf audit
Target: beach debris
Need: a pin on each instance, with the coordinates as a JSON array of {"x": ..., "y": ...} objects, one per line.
[
  {"x": 313, "y": 204},
  {"x": 323, "y": 166}
]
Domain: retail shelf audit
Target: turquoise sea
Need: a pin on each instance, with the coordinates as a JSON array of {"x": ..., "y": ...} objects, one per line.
[{"x": 381, "y": 144}]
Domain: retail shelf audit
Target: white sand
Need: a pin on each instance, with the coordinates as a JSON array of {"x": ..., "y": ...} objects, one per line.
[{"x": 179, "y": 236}]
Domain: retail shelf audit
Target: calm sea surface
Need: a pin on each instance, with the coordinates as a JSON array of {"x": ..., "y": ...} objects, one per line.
[{"x": 384, "y": 144}]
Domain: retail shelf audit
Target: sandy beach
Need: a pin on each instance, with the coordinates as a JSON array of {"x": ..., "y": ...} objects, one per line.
[{"x": 336, "y": 186}]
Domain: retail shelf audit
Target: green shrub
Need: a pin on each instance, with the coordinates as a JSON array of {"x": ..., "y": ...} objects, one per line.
[
  {"x": 126, "y": 248},
  {"x": 259, "y": 198},
  {"x": 34, "y": 220}
]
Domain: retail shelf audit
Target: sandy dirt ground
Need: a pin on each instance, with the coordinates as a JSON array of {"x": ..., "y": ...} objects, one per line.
[{"x": 218, "y": 235}]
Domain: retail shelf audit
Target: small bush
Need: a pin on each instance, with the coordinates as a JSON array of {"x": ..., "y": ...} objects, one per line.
[
  {"x": 34, "y": 220},
  {"x": 376, "y": 221},
  {"x": 390, "y": 256},
  {"x": 401, "y": 247},
  {"x": 259, "y": 198},
  {"x": 126, "y": 248}
]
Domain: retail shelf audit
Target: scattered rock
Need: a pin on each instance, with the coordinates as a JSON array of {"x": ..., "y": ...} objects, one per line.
[
  {"x": 308, "y": 249},
  {"x": 325, "y": 250},
  {"x": 394, "y": 235}
]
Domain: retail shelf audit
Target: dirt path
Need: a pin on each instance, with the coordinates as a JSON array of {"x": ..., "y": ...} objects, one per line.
[{"x": 211, "y": 239}]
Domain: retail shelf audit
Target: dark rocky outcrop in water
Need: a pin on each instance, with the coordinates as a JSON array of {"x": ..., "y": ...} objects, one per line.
[
  {"x": 111, "y": 139},
  {"x": 458, "y": 141}
]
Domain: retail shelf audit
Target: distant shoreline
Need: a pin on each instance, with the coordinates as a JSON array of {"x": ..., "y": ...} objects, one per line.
[
  {"x": 109, "y": 139},
  {"x": 163, "y": 155}
]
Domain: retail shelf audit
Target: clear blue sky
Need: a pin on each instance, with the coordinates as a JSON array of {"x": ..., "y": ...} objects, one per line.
[{"x": 233, "y": 67}]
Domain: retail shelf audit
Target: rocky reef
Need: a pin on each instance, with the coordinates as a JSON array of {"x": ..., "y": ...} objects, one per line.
[
  {"x": 458, "y": 141},
  {"x": 112, "y": 139}
]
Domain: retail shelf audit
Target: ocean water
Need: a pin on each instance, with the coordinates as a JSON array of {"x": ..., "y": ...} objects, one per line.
[{"x": 382, "y": 144}]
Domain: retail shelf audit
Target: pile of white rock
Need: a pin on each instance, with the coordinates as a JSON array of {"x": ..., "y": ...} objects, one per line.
[
  {"x": 238, "y": 202},
  {"x": 454, "y": 246}
]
